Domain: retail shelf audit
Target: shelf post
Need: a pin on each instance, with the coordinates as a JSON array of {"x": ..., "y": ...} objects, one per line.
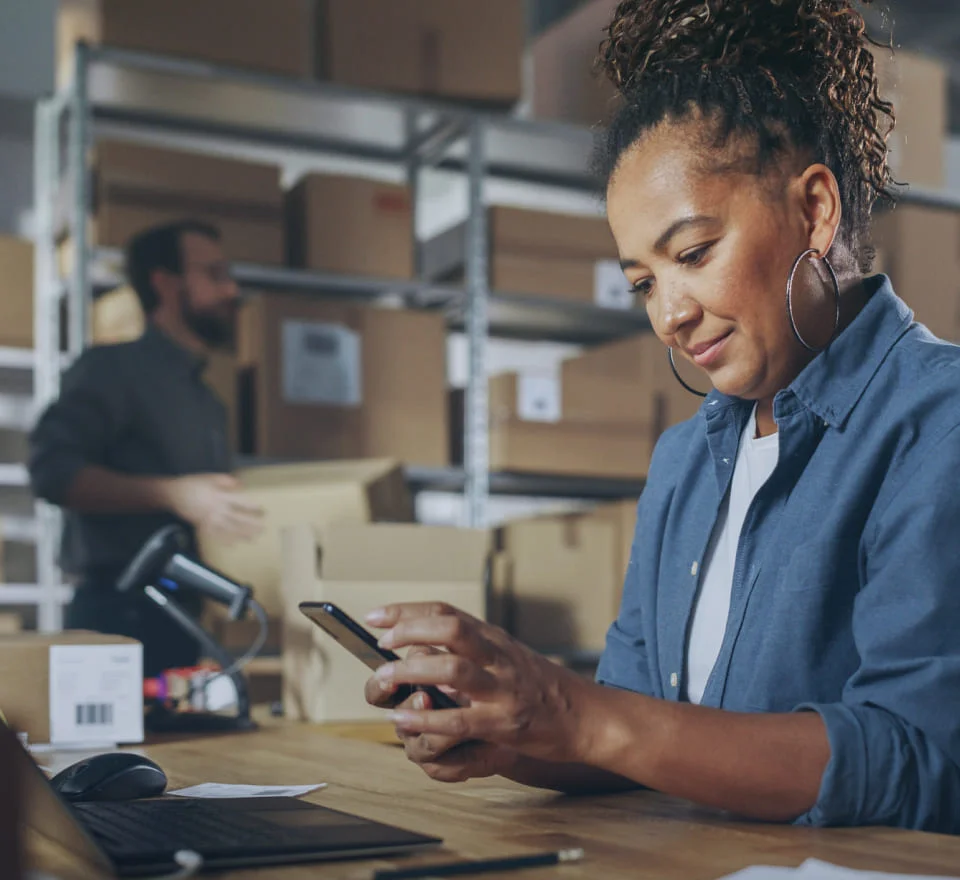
[
  {"x": 78, "y": 301},
  {"x": 46, "y": 332},
  {"x": 476, "y": 410}
]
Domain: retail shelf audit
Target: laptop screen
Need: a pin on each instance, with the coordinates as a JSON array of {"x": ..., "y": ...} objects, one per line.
[{"x": 45, "y": 814}]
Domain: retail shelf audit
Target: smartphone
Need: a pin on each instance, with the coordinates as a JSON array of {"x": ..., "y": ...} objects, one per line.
[{"x": 363, "y": 645}]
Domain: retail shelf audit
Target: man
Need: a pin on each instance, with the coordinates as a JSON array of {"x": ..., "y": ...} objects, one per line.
[{"x": 137, "y": 440}]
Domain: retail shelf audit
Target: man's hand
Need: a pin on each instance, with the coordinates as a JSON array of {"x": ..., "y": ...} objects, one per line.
[{"x": 214, "y": 503}]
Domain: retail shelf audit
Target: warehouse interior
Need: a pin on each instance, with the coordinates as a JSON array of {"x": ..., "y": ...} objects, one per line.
[{"x": 441, "y": 387}]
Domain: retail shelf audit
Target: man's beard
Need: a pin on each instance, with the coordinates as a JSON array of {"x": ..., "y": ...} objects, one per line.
[{"x": 216, "y": 328}]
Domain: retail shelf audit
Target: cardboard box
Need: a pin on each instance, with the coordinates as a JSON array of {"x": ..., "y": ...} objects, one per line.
[
  {"x": 351, "y": 225},
  {"x": 628, "y": 375},
  {"x": 539, "y": 253},
  {"x": 360, "y": 568},
  {"x": 918, "y": 86},
  {"x": 329, "y": 380},
  {"x": 117, "y": 316},
  {"x": 523, "y": 440},
  {"x": 921, "y": 254},
  {"x": 273, "y": 37},
  {"x": 237, "y": 636},
  {"x": 561, "y": 81},
  {"x": 464, "y": 51},
  {"x": 562, "y": 585},
  {"x": 137, "y": 187},
  {"x": 73, "y": 687},
  {"x": 315, "y": 494},
  {"x": 623, "y": 516},
  {"x": 16, "y": 292}
]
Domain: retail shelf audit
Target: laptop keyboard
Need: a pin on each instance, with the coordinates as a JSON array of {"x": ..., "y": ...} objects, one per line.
[{"x": 167, "y": 825}]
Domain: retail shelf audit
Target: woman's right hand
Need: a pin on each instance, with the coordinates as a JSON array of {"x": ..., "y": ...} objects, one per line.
[{"x": 442, "y": 758}]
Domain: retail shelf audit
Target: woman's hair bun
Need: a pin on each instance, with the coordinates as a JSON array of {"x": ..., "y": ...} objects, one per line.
[
  {"x": 790, "y": 73},
  {"x": 650, "y": 36}
]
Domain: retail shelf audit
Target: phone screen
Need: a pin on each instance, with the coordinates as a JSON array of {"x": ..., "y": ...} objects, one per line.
[{"x": 363, "y": 645}]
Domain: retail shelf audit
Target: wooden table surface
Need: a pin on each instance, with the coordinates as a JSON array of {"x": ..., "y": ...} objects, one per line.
[{"x": 639, "y": 835}]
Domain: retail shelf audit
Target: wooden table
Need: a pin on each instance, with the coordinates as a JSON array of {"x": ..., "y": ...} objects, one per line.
[{"x": 639, "y": 836}]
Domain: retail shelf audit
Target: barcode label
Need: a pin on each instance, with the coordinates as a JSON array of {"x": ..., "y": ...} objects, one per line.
[
  {"x": 321, "y": 364},
  {"x": 94, "y": 714}
]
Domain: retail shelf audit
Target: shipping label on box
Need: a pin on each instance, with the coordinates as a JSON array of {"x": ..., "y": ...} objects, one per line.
[
  {"x": 96, "y": 693},
  {"x": 321, "y": 364},
  {"x": 611, "y": 290},
  {"x": 538, "y": 398}
]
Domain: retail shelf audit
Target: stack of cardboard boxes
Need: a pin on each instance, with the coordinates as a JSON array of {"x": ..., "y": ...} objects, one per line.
[
  {"x": 557, "y": 580},
  {"x": 16, "y": 292},
  {"x": 600, "y": 417},
  {"x": 327, "y": 380},
  {"x": 539, "y": 253},
  {"x": 428, "y": 47},
  {"x": 139, "y": 186},
  {"x": 342, "y": 533}
]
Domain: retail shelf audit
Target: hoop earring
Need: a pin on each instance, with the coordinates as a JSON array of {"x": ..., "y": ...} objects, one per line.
[
  {"x": 836, "y": 296},
  {"x": 673, "y": 367}
]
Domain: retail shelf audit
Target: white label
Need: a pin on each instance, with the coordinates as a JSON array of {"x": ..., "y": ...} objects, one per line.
[
  {"x": 611, "y": 290},
  {"x": 538, "y": 399},
  {"x": 223, "y": 790},
  {"x": 96, "y": 694},
  {"x": 321, "y": 364}
]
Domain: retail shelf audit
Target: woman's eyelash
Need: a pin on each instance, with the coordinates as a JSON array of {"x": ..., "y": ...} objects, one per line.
[
  {"x": 643, "y": 287},
  {"x": 691, "y": 258}
]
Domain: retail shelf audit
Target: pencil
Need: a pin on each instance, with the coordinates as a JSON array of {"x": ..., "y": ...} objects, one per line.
[{"x": 482, "y": 866}]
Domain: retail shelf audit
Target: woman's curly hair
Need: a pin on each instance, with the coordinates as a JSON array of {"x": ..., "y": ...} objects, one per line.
[{"x": 795, "y": 75}]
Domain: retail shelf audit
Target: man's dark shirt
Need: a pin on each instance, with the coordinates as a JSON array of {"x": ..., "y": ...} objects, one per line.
[{"x": 140, "y": 408}]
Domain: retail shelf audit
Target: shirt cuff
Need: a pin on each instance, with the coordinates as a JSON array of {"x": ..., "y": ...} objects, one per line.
[{"x": 842, "y": 789}]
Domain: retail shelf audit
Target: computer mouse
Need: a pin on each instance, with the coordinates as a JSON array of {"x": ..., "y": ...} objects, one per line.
[{"x": 114, "y": 776}]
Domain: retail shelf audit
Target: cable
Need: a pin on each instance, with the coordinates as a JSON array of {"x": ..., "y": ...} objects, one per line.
[
  {"x": 190, "y": 864},
  {"x": 252, "y": 651}
]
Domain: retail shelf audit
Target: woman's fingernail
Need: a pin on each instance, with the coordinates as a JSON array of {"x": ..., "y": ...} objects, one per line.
[
  {"x": 420, "y": 701},
  {"x": 386, "y": 687},
  {"x": 402, "y": 718},
  {"x": 385, "y": 673},
  {"x": 377, "y": 616},
  {"x": 386, "y": 640}
]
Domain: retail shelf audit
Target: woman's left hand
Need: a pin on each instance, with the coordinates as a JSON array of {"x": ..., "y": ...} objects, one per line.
[{"x": 517, "y": 698}]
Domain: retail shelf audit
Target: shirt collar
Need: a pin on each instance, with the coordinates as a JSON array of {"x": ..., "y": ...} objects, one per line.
[
  {"x": 172, "y": 352},
  {"x": 832, "y": 383}
]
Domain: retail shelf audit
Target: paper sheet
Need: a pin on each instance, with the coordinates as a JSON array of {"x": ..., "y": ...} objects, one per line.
[
  {"x": 814, "y": 869},
  {"x": 222, "y": 790}
]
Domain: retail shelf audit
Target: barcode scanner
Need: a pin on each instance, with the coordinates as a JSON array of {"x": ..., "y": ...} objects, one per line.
[{"x": 112, "y": 776}]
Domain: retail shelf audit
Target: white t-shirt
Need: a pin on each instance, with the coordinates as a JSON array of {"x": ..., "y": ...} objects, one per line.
[{"x": 756, "y": 460}]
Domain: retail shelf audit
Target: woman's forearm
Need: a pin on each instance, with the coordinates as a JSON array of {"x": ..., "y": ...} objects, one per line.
[
  {"x": 765, "y": 766},
  {"x": 566, "y": 778}
]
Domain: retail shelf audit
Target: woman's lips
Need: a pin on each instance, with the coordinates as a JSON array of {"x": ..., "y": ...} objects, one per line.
[{"x": 706, "y": 353}]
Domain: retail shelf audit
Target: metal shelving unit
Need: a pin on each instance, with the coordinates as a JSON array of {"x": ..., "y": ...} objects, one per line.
[
  {"x": 189, "y": 104},
  {"x": 192, "y": 104}
]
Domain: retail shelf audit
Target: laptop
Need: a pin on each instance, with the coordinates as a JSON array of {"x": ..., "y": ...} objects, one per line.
[{"x": 140, "y": 838}]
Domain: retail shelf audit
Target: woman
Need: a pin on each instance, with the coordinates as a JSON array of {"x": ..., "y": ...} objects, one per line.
[{"x": 788, "y": 646}]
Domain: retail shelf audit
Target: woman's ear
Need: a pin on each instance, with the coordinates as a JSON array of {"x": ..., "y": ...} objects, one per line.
[{"x": 822, "y": 206}]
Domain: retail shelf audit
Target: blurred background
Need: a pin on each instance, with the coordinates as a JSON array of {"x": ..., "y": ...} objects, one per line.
[{"x": 407, "y": 187}]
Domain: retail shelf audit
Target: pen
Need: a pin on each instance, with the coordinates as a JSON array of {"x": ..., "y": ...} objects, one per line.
[{"x": 482, "y": 866}]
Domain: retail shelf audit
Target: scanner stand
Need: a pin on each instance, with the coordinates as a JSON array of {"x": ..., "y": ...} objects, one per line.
[{"x": 161, "y": 720}]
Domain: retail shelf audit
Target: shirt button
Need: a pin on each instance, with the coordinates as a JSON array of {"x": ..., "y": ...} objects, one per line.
[
  {"x": 694, "y": 568},
  {"x": 674, "y": 679}
]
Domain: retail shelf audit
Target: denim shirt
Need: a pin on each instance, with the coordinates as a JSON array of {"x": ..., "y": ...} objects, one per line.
[{"x": 846, "y": 586}]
